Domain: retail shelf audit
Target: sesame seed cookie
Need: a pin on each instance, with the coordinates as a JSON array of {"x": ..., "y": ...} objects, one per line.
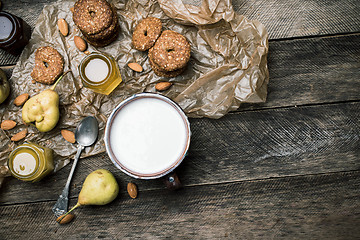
[
  {"x": 161, "y": 73},
  {"x": 92, "y": 16},
  {"x": 146, "y": 32},
  {"x": 107, "y": 32},
  {"x": 171, "y": 51},
  {"x": 49, "y": 65}
]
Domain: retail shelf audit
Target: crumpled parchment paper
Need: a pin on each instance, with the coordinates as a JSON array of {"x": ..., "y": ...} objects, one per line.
[{"x": 228, "y": 66}]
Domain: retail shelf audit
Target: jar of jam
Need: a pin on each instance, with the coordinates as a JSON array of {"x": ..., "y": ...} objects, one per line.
[
  {"x": 100, "y": 73},
  {"x": 31, "y": 162},
  {"x": 14, "y": 34}
]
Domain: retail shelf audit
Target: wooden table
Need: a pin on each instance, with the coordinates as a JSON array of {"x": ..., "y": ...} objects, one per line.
[{"x": 288, "y": 168}]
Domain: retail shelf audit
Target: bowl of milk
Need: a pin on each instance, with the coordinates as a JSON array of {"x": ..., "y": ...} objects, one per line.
[{"x": 147, "y": 136}]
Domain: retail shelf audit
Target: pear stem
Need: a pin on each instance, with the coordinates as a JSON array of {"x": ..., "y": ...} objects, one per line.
[
  {"x": 73, "y": 208},
  {"x": 57, "y": 81}
]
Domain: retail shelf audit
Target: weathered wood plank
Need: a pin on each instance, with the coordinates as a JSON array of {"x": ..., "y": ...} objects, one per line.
[
  {"x": 282, "y": 18},
  {"x": 304, "y": 207},
  {"x": 311, "y": 71},
  {"x": 298, "y": 18},
  {"x": 240, "y": 146}
]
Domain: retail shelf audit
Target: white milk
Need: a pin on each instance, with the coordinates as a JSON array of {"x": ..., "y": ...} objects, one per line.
[
  {"x": 148, "y": 135},
  {"x": 24, "y": 163},
  {"x": 96, "y": 70}
]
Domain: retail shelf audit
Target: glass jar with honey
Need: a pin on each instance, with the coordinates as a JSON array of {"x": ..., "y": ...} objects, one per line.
[
  {"x": 100, "y": 73},
  {"x": 31, "y": 162}
]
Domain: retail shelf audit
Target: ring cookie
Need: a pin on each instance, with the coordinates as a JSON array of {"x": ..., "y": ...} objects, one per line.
[
  {"x": 171, "y": 51},
  {"x": 102, "y": 27},
  {"x": 161, "y": 73},
  {"x": 146, "y": 33},
  {"x": 49, "y": 65},
  {"x": 110, "y": 31},
  {"x": 92, "y": 16}
]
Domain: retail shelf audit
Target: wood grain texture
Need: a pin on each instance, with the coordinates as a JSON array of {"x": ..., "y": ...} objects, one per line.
[
  {"x": 289, "y": 19},
  {"x": 282, "y": 18},
  {"x": 311, "y": 71},
  {"x": 306, "y": 207},
  {"x": 240, "y": 146}
]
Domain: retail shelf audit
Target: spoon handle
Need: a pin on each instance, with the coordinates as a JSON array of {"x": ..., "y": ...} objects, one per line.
[{"x": 61, "y": 204}]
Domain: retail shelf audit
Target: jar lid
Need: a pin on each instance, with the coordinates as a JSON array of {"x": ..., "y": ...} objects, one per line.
[
  {"x": 95, "y": 69},
  {"x": 24, "y": 162}
]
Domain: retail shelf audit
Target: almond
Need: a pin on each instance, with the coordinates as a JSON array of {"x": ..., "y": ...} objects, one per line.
[
  {"x": 65, "y": 219},
  {"x": 132, "y": 190},
  {"x": 63, "y": 27},
  {"x": 8, "y": 124},
  {"x": 19, "y": 135},
  {"x": 162, "y": 86},
  {"x": 80, "y": 43},
  {"x": 136, "y": 67},
  {"x": 72, "y": 9},
  {"x": 68, "y": 135},
  {"x": 21, "y": 99}
]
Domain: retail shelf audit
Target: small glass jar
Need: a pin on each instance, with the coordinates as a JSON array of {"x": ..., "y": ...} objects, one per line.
[
  {"x": 100, "y": 73},
  {"x": 14, "y": 34},
  {"x": 31, "y": 162}
]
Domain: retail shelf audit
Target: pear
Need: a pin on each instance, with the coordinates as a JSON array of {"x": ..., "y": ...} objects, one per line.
[
  {"x": 43, "y": 109},
  {"x": 4, "y": 87},
  {"x": 99, "y": 188}
]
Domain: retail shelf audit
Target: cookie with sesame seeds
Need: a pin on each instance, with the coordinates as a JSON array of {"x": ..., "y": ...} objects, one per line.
[
  {"x": 171, "y": 51},
  {"x": 49, "y": 65},
  {"x": 106, "y": 36},
  {"x": 92, "y": 16},
  {"x": 108, "y": 32},
  {"x": 161, "y": 73},
  {"x": 146, "y": 32},
  {"x": 104, "y": 42}
]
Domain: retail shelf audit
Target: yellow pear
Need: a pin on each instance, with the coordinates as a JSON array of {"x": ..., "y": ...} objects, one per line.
[
  {"x": 99, "y": 188},
  {"x": 4, "y": 87},
  {"x": 43, "y": 109}
]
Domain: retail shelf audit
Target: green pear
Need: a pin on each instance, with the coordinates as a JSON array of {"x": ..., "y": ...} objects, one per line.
[
  {"x": 99, "y": 188},
  {"x": 43, "y": 109},
  {"x": 4, "y": 87}
]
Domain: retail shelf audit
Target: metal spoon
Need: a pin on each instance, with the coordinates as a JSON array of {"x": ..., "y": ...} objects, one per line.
[{"x": 86, "y": 134}]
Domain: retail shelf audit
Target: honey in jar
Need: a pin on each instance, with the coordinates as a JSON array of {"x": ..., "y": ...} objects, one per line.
[
  {"x": 31, "y": 162},
  {"x": 100, "y": 73},
  {"x": 14, "y": 34}
]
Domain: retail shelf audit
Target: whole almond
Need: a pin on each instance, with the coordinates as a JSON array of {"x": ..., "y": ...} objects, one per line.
[
  {"x": 136, "y": 67},
  {"x": 80, "y": 43},
  {"x": 20, "y": 135},
  {"x": 64, "y": 220},
  {"x": 63, "y": 27},
  {"x": 132, "y": 190},
  {"x": 68, "y": 135},
  {"x": 8, "y": 124},
  {"x": 162, "y": 86},
  {"x": 21, "y": 99}
]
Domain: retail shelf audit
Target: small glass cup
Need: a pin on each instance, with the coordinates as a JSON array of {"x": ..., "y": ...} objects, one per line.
[
  {"x": 15, "y": 33},
  {"x": 92, "y": 69}
]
